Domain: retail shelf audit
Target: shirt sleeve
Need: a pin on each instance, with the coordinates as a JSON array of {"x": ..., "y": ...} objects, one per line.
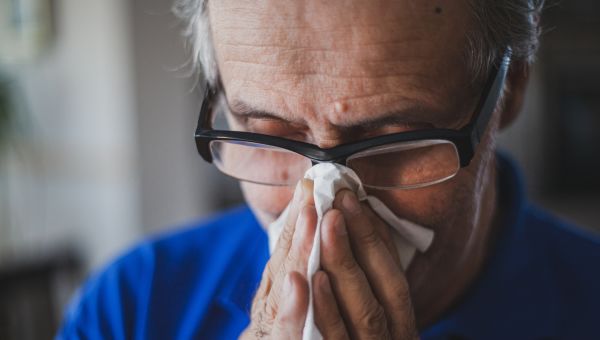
[{"x": 112, "y": 303}]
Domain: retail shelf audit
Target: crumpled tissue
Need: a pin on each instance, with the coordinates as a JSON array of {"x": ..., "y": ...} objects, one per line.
[{"x": 328, "y": 179}]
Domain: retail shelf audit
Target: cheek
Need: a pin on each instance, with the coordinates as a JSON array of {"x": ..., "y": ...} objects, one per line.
[
  {"x": 266, "y": 202},
  {"x": 433, "y": 206}
]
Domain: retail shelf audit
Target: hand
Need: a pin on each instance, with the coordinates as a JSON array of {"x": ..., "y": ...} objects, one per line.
[
  {"x": 361, "y": 292},
  {"x": 360, "y": 268},
  {"x": 280, "y": 305}
]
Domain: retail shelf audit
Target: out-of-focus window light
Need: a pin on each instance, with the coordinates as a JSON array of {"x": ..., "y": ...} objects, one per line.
[{"x": 25, "y": 29}]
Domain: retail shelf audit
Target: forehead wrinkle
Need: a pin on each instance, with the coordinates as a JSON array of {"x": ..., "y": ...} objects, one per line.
[
  {"x": 401, "y": 108},
  {"x": 302, "y": 82},
  {"x": 297, "y": 47},
  {"x": 263, "y": 96},
  {"x": 376, "y": 38},
  {"x": 318, "y": 17},
  {"x": 366, "y": 57},
  {"x": 318, "y": 74},
  {"x": 327, "y": 39},
  {"x": 382, "y": 93},
  {"x": 287, "y": 60},
  {"x": 325, "y": 64},
  {"x": 310, "y": 26}
]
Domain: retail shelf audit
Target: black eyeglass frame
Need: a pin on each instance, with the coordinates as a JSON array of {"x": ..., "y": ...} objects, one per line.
[{"x": 465, "y": 139}]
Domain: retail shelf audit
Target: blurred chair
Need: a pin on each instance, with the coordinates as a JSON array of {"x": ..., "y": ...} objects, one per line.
[{"x": 33, "y": 293}]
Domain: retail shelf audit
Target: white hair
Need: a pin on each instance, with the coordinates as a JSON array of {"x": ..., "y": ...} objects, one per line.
[
  {"x": 498, "y": 24},
  {"x": 194, "y": 14}
]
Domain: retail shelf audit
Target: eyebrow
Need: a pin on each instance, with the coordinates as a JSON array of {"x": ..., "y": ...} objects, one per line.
[{"x": 409, "y": 116}]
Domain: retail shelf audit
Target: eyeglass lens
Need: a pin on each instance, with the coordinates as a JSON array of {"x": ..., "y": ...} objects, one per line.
[{"x": 401, "y": 165}]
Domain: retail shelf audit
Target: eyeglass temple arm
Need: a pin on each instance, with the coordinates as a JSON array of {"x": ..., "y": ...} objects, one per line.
[
  {"x": 204, "y": 118},
  {"x": 489, "y": 105}
]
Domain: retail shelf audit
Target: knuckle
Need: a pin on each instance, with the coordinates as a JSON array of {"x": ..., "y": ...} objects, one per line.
[
  {"x": 261, "y": 307},
  {"x": 292, "y": 257},
  {"x": 402, "y": 292},
  {"x": 337, "y": 256},
  {"x": 403, "y": 325},
  {"x": 260, "y": 330},
  {"x": 268, "y": 313},
  {"x": 284, "y": 319},
  {"x": 261, "y": 324},
  {"x": 269, "y": 272},
  {"x": 373, "y": 321},
  {"x": 274, "y": 296},
  {"x": 284, "y": 268},
  {"x": 337, "y": 326},
  {"x": 267, "y": 279},
  {"x": 286, "y": 235},
  {"x": 347, "y": 263},
  {"x": 370, "y": 238}
]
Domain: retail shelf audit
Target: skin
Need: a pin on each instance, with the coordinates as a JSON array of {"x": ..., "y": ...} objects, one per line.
[{"x": 323, "y": 68}]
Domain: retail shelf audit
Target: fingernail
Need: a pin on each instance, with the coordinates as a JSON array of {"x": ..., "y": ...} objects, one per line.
[
  {"x": 305, "y": 189},
  {"x": 350, "y": 203},
  {"x": 339, "y": 226}
]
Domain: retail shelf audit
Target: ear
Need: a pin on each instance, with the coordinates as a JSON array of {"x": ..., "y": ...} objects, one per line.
[{"x": 516, "y": 85}]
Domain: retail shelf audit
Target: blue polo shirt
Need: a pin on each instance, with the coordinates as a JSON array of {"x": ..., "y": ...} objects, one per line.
[{"x": 541, "y": 281}]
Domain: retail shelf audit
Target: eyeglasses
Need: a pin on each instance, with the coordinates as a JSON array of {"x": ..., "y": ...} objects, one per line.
[{"x": 404, "y": 160}]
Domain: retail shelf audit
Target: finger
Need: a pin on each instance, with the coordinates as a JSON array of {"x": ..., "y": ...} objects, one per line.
[
  {"x": 303, "y": 194},
  {"x": 297, "y": 257},
  {"x": 292, "y": 315},
  {"x": 384, "y": 231},
  {"x": 385, "y": 276},
  {"x": 364, "y": 316},
  {"x": 327, "y": 315},
  {"x": 365, "y": 215}
]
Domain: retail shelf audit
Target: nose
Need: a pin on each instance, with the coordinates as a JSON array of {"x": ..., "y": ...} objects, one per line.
[
  {"x": 329, "y": 143},
  {"x": 329, "y": 136}
]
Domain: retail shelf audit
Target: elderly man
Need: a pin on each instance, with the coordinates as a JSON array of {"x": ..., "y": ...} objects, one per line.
[{"x": 410, "y": 95}]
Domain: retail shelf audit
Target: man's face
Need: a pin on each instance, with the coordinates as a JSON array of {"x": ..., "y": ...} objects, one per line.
[{"x": 326, "y": 67}]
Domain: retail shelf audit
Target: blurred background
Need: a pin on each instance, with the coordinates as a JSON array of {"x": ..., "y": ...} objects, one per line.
[{"x": 96, "y": 149}]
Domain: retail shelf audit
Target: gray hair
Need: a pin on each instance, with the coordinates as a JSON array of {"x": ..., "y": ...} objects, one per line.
[
  {"x": 498, "y": 24},
  {"x": 194, "y": 15},
  {"x": 502, "y": 23}
]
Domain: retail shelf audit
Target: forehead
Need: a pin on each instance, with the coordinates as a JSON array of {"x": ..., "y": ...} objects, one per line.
[{"x": 306, "y": 55}]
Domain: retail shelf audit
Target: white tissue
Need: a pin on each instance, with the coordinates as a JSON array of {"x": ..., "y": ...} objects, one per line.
[{"x": 328, "y": 179}]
